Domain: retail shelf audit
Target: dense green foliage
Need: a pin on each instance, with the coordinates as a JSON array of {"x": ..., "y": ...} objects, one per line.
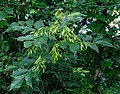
[{"x": 59, "y": 47}]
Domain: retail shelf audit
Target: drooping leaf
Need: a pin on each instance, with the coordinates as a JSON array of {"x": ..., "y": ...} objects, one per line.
[
  {"x": 105, "y": 43},
  {"x": 28, "y": 79},
  {"x": 93, "y": 46},
  {"x": 17, "y": 83}
]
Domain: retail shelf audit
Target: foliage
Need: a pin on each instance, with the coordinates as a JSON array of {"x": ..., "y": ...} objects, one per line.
[{"x": 59, "y": 47}]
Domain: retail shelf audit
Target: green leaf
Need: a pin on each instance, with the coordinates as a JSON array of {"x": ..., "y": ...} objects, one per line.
[
  {"x": 2, "y": 54},
  {"x": 3, "y": 2},
  {"x": 41, "y": 5},
  {"x": 29, "y": 23},
  {"x": 79, "y": 69},
  {"x": 117, "y": 58},
  {"x": 19, "y": 72},
  {"x": 15, "y": 2},
  {"x": 28, "y": 37},
  {"x": 106, "y": 63},
  {"x": 73, "y": 47},
  {"x": 105, "y": 43},
  {"x": 44, "y": 39},
  {"x": 97, "y": 38},
  {"x": 28, "y": 79},
  {"x": 27, "y": 44},
  {"x": 9, "y": 10},
  {"x": 87, "y": 38},
  {"x": 11, "y": 26},
  {"x": 21, "y": 22},
  {"x": 93, "y": 46},
  {"x": 2, "y": 23},
  {"x": 76, "y": 14},
  {"x": 41, "y": 40},
  {"x": 18, "y": 82},
  {"x": 34, "y": 1},
  {"x": 10, "y": 68},
  {"x": 3, "y": 14},
  {"x": 38, "y": 43},
  {"x": 39, "y": 24},
  {"x": 63, "y": 44},
  {"x": 27, "y": 29},
  {"x": 1, "y": 69},
  {"x": 5, "y": 46}
]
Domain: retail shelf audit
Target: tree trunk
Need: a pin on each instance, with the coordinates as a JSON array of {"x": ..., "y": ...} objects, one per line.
[{"x": 97, "y": 70}]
